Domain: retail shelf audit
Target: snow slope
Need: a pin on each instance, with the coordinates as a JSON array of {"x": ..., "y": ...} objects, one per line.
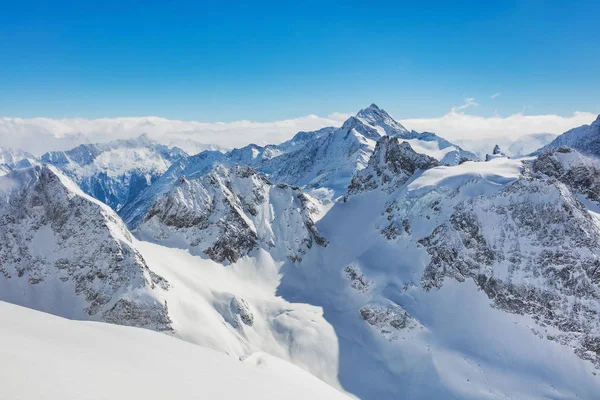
[
  {"x": 234, "y": 309},
  {"x": 47, "y": 357}
]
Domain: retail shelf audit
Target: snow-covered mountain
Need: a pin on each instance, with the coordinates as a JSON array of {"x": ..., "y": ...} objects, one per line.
[
  {"x": 63, "y": 252},
  {"x": 68, "y": 254},
  {"x": 230, "y": 212},
  {"x": 16, "y": 158},
  {"x": 330, "y": 162},
  {"x": 322, "y": 163},
  {"x": 115, "y": 172},
  {"x": 432, "y": 276},
  {"x": 47, "y": 357},
  {"x": 459, "y": 283},
  {"x": 191, "y": 146},
  {"x": 585, "y": 139}
]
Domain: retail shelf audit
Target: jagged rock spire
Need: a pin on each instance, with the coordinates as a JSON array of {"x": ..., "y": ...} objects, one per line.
[{"x": 496, "y": 153}]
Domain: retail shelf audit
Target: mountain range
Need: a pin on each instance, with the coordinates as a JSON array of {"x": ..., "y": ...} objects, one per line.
[{"x": 385, "y": 262}]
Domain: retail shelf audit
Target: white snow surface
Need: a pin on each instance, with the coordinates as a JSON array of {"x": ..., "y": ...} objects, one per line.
[{"x": 47, "y": 357}]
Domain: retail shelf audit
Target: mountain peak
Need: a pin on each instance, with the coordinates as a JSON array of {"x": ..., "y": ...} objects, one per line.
[
  {"x": 377, "y": 117},
  {"x": 372, "y": 110}
]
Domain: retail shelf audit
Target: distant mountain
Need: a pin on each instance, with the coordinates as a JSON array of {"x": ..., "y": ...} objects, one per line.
[
  {"x": 66, "y": 253},
  {"x": 529, "y": 143},
  {"x": 585, "y": 139},
  {"x": 16, "y": 158},
  {"x": 115, "y": 172},
  {"x": 191, "y": 146}
]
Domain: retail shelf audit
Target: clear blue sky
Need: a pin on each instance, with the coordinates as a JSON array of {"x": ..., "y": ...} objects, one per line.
[{"x": 225, "y": 61}]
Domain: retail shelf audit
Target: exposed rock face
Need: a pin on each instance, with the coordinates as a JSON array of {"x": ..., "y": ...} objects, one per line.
[
  {"x": 496, "y": 152},
  {"x": 115, "y": 172},
  {"x": 65, "y": 253},
  {"x": 580, "y": 173},
  {"x": 241, "y": 309},
  {"x": 391, "y": 165},
  {"x": 229, "y": 212},
  {"x": 357, "y": 280},
  {"x": 534, "y": 250},
  {"x": 389, "y": 319}
]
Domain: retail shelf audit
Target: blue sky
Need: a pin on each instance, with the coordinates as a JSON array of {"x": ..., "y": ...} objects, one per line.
[{"x": 227, "y": 61}]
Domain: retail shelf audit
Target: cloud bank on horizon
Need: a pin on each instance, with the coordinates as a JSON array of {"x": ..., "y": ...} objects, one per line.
[{"x": 38, "y": 135}]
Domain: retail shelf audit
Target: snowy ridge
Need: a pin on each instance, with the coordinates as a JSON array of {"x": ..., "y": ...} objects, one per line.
[
  {"x": 585, "y": 139},
  {"x": 115, "y": 172},
  {"x": 68, "y": 254}
]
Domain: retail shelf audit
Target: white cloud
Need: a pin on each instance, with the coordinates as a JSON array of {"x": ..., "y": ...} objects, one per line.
[
  {"x": 468, "y": 103},
  {"x": 495, "y": 95},
  {"x": 478, "y": 133},
  {"x": 38, "y": 135}
]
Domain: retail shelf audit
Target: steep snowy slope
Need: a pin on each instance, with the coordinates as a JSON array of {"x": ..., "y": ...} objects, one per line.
[
  {"x": 16, "y": 158},
  {"x": 585, "y": 139},
  {"x": 229, "y": 212},
  {"x": 472, "y": 281},
  {"x": 68, "y": 254},
  {"x": 47, "y": 357},
  {"x": 115, "y": 172},
  {"x": 234, "y": 309}
]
